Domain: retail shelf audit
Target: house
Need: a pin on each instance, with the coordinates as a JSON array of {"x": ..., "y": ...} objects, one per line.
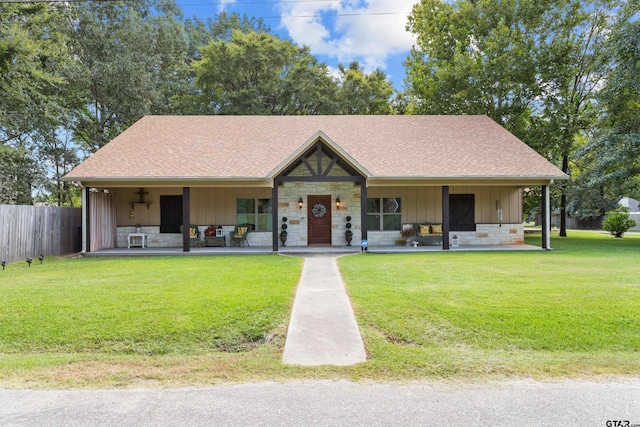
[
  {"x": 464, "y": 174},
  {"x": 634, "y": 210}
]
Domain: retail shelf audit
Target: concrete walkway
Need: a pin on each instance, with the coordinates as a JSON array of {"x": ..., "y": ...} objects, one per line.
[{"x": 322, "y": 329}]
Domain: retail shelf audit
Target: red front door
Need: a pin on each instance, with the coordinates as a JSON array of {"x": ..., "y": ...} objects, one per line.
[{"x": 319, "y": 214}]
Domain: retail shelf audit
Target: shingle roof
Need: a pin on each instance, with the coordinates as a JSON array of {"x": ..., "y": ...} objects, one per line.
[{"x": 218, "y": 147}]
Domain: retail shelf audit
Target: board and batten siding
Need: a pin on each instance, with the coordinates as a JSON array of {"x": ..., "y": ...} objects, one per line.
[
  {"x": 424, "y": 204},
  {"x": 209, "y": 206},
  {"x": 218, "y": 205},
  {"x": 27, "y": 231}
]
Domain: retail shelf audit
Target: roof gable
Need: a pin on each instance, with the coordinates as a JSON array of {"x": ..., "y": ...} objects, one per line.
[{"x": 310, "y": 144}]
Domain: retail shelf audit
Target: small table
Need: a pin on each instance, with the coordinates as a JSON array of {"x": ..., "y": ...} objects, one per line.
[
  {"x": 215, "y": 241},
  {"x": 133, "y": 242}
]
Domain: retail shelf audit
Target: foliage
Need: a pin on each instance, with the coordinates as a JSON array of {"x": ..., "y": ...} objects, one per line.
[
  {"x": 573, "y": 65},
  {"x": 618, "y": 223},
  {"x": 190, "y": 99},
  {"x": 202, "y": 32},
  {"x": 116, "y": 78},
  {"x": 259, "y": 73},
  {"x": 611, "y": 158},
  {"x": 408, "y": 232},
  {"x": 32, "y": 52},
  {"x": 19, "y": 174},
  {"x": 474, "y": 58},
  {"x": 31, "y": 49},
  {"x": 532, "y": 200},
  {"x": 360, "y": 93}
]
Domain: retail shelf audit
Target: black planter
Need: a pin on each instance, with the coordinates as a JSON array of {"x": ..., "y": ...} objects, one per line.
[
  {"x": 348, "y": 235},
  {"x": 283, "y": 238}
]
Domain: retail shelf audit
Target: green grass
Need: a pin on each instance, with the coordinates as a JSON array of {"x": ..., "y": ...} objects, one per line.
[
  {"x": 572, "y": 312},
  {"x": 569, "y": 312},
  {"x": 144, "y": 306}
]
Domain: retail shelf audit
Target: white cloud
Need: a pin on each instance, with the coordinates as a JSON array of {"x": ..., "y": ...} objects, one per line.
[
  {"x": 367, "y": 30},
  {"x": 223, "y": 4}
]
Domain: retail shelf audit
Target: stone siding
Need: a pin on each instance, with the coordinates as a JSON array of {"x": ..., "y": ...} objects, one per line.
[
  {"x": 297, "y": 235},
  {"x": 491, "y": 234},
  {"x": 485, "y": 234},
  {"x": 174, "y": 240}
]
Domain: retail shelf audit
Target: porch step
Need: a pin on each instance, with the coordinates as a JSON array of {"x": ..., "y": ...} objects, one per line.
[{"x": 318, "y": 250}]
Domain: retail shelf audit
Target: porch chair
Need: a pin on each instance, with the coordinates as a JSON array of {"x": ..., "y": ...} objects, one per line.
[
  {"x": 239, "y": 235},
  {"x": 194, "y": 234}
]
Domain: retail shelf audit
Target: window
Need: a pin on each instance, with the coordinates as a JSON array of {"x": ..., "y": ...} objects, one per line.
[
  {"x": 384, "y": 213},
  {"x": 170, "y": 214},
  {"x": 256, "y": 212},
  {"x": 462, "y": 212}
]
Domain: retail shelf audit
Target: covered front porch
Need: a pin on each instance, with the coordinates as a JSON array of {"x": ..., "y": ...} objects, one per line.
[{"x": 494, "y": 212}]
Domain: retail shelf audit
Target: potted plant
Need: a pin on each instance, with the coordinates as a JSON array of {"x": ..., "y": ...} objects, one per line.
[
  {"x": 408, "y": 233},
  {"x": 348, "y": 235},
  {"x": 283, "y": 234}
]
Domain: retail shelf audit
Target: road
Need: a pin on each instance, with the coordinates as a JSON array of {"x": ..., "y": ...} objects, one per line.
[{"x": 333, "y": 403}]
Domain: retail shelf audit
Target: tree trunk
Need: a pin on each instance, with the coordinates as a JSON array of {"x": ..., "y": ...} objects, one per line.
[{"x": 563, "y": 198}]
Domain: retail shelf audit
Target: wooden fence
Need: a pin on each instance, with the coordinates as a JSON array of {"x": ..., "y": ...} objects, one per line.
[{"x": 27, "y": 231}]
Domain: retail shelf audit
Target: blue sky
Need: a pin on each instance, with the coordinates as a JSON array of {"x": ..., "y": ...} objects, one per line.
[{"x": 370, "y": 31}]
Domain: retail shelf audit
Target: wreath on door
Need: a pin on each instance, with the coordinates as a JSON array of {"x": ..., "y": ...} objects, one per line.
[{"x": 318, "y": 210}]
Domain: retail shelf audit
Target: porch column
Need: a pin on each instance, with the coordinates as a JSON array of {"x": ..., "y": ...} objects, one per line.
[
  {"x": 186, "y": 218},
  {"x": 86, "y": 222},
  {"x": 363, "y": 209},
  {"x": 546, "y": 218},
  {"x": 445, "y": 217},
  {"x": 274, "y": 216}
]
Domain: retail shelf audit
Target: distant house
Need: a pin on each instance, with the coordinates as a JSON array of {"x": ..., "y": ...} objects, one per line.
[
  {"x": 634, "y": 210},
  {"x": 376, "y": 173},
  {"x": 629, "y": 203}
]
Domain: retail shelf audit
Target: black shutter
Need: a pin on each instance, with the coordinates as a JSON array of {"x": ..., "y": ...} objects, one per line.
[
  {"x": 170, "y": 214},
  {"x": 462, "y": 212}
]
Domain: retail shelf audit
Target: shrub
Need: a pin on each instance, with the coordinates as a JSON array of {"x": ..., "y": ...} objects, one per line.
[{"x": 617, "y": 223}]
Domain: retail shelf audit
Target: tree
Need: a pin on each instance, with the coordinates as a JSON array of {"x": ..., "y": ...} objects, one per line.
[
  {"x": 29, "y": 52},
  {"x": 19, "y": 175},
  {"x": 532, "y": 66},
  {"x": 130, "y": 58},
  {"x": 361, "y": 93},
  {"x": 475, "y": 58},
  {"x": 611, "y": 158},
  {"x": 572, "y": 66},
  {"x": 32, "y": 52},
  {"x": 260, "y": 73},
  {"x": 202, "y": 32},
  {"x": 191, "y": 100}
]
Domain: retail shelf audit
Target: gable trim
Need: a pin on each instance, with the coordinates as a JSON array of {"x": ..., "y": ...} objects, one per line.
[{"x": 286, "y": 166}]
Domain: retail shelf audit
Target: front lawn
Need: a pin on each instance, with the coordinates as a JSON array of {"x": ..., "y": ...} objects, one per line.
[
  {"x": 574, "y": 311},
  {"x": 97, "y": 309},
  {"x": 183, "y": 321}
]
